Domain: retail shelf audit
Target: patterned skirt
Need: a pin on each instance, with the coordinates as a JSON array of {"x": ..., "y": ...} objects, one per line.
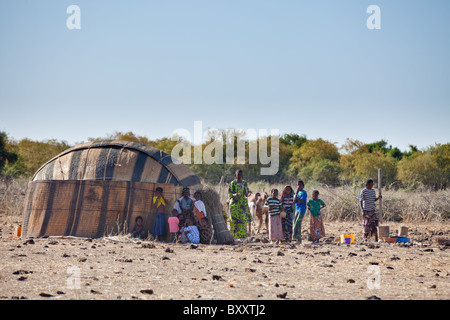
[
  {"x": 370, "y": 222},
  {"x": 240, "y": 216},
  {"x": 316, "y": 228},
  {"x": 287, "y": 223}
]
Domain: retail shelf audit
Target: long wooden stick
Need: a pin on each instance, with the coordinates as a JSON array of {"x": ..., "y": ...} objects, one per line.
[{"x": 379, "y": 194}]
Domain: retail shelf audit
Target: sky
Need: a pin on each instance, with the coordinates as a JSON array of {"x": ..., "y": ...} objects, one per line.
[{"x": 152, "y": 67}]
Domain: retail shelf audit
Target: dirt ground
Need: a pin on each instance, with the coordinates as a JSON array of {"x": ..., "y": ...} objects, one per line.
[{"x": 122, "y": 268}]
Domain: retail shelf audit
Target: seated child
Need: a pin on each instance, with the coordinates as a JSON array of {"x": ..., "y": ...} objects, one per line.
[
  {"x": 138, "y": 230},
  {"x": 173, "y": 225},
  {"x": 191, "y": 232},
  {"x": 181, "y": 235},
  {"x": 205, "y": 231}
]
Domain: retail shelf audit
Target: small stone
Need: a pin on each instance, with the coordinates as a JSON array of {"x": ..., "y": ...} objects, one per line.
[
  {"x": 147, "y": 291},
  {"x": 45, "y": 295},
  {"x": 282, "y": 295}
]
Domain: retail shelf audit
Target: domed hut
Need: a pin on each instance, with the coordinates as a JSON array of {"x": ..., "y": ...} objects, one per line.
[{"x": 99, "y": 188}]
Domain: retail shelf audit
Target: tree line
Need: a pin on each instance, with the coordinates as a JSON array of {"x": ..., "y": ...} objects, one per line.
[{"x": 299, "y": 158}]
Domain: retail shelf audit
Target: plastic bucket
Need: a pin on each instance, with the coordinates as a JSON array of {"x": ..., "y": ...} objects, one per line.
[{"x": 344, "y": 238}]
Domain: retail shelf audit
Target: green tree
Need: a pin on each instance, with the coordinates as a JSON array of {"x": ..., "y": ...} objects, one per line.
[
  {"x": 322, "y": 170},
  {"x": 362, "y": 161},
  {"x": 293, "y": 139},
  {"x": 317, "y": 160},
  {"x": 7, "y": 157},
  {"x": 33, "y": 154},
  {"x": 430, "y": 168}
]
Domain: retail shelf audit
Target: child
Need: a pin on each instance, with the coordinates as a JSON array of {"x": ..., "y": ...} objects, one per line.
[
  {"x": 191, "y": 232},
  {"x": 159, "y": 227},
  {"x": 367, "y": 199},
  {"x": 138, "y": 230},
  {"x": 205, "y": 231},
  {"x": 199, "y": 207},
  {"x": 173, "y": 226},
  {"x": 316, "y": 228},
  {"x": 181, "y": 235},
  {"x": 287, "y": 200},
  {"x": 274, "y": 204},
  {"x": 300, "y": 209},
  {"x": 185, "y": 204}
]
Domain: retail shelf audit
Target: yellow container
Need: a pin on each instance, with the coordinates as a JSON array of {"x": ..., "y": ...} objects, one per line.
[{"x": 347, "y": 238}]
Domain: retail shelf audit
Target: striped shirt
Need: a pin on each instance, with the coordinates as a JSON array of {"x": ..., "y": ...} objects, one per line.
[
  {"x": 274, "y": 205},
  {"x": 367, "y": 197}
]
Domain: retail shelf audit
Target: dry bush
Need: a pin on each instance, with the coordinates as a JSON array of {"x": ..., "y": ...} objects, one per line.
[
  {"x": 419, "y": 205},
  {"x": 423, "y": 205},
  {"x": 12, "y": 196}
]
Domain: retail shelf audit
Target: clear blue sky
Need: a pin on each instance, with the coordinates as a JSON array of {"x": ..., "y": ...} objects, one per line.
[{"x": 306, "y": 67}]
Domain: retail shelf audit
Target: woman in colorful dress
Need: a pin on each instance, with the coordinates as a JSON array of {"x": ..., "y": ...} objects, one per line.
[
  {"x": 316, "y": 227},
  {"x": 287, "y": 201},
  {"x": 239, "y": 211}
]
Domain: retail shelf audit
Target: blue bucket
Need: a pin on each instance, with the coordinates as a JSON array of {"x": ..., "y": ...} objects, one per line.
[{"x": 401, "y": 239}]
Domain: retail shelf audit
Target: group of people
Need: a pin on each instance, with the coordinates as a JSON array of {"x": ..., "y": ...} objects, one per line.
[
  {"x": 285, "y": 223},
  {"x": 287, "y": 212},
  {"x": 188, "y": 221}
]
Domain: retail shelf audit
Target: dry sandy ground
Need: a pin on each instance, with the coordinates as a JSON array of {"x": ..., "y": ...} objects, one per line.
[{"x": 119, "y": 268}]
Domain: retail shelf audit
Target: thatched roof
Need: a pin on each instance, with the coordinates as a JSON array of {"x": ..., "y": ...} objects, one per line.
[{"x": 117, "y": 160}]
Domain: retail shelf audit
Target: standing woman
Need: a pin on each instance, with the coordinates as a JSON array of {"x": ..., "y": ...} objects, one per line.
[
  {"x": 239, "y": 211},
  {"x": 287, "y": 202}
]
